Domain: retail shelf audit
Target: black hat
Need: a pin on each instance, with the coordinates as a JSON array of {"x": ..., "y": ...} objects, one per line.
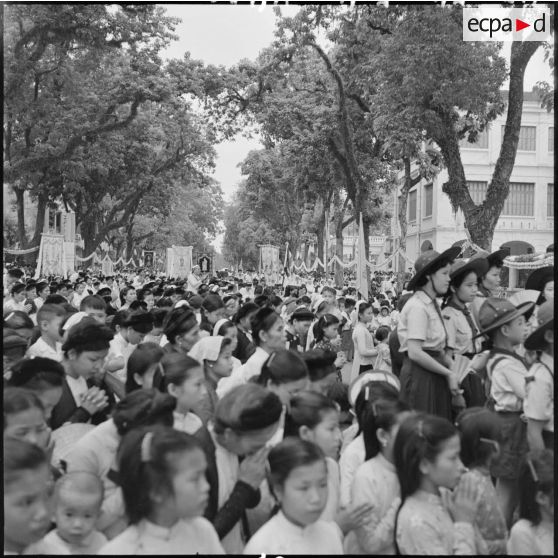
[
  {"x": 428, "y": 261},
  {"x": 539, "y": 278},
  {"x": 247, "y": 408},
  {"x": 302, "y": 314},
  {"x": 495, "y": 259},
  {"x": 140, "y": 320},
  {"x": 24, "y": 371}
]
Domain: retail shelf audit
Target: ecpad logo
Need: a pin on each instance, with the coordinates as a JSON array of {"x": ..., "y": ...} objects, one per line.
[{"x": 506, "y": 24}]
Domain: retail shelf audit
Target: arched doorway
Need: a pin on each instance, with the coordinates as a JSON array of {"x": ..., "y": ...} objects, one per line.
[{"x": 517, "y": 248}]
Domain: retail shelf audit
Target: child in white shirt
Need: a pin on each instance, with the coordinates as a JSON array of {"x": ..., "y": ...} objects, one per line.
[
  {"x": 314, "y": 417},
  {"x": 298, "y": 480},
  {"x": 78, "y": 499},
  {"x": 156, "y": 460},
  {"x": 185, "y": 381},
  {"x": 49, "y": 320}
]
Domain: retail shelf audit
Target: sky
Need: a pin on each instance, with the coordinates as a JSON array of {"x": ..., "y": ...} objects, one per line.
[{"x": 225, "y": 34}]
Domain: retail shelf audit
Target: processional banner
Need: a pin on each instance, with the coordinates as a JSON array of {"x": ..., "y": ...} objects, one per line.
[
  {"x": 270, "y": 264},
  {"x": 179, "y": 261},
  {"x": 52, "y": 259}
]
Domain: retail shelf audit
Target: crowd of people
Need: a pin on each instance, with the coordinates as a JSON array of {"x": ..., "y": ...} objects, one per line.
[{"x": 146, "y": 414}]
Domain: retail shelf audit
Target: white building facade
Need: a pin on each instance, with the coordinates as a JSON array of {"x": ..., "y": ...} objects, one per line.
[{"x": 526, "y": 224}]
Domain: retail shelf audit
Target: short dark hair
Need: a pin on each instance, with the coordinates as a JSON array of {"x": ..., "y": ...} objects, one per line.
[
  {"x": 282, "y": 367},
  {"x": 320, "y": 363},
  {"x": 88, "y": 335},
  {"x": 263, "y": 320},
  {"x": 95, "y": 302}
]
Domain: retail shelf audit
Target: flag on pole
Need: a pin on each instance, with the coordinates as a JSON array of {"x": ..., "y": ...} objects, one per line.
[{"x": 361, "y": 279}]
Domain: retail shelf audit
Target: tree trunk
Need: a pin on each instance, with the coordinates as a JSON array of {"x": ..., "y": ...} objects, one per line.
[
  {"x": 481, "y": 220},
  {"x": 88, "y": 235},
  {"x": 21, "y": 236},
  {"x": 129, "y": 239},
  {"x": 408, "y": 183},
  {"x": 42, "y": 202}
]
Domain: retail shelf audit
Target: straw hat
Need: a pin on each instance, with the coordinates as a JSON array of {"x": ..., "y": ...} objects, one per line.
[
  {"x": 495, "y": 312},
  {"x": 462, "y": 267},
  {"x": 428, "y": 261}
]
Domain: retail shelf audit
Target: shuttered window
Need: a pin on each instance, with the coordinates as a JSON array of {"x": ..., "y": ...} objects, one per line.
[
  {"x": 412, "y": 206},
  {"x": 428, "y": 200},
  {"x": 527, "y": 138},
  {"x": 481, "y": 143},
  {"x": 521, "y": 200},
  {"x": 477, "y": 189}
]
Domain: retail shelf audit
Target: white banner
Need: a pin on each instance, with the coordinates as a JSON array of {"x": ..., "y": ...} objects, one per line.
[
  {"x": 270, "y": 264},
  {"x": 52, "y": 260},
  {"x": 107, "y": 266},
  {"x": 179, "y": 261}
]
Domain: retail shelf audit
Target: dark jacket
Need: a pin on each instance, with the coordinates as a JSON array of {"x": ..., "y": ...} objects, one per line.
[
  {"x": 66, "y": 409},
  {"x": 242, "y": 497},
  {"x": 244, "y": 348}
]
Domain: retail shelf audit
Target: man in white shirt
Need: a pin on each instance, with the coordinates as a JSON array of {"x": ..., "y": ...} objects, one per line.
[{"x": 194, "y": 279}]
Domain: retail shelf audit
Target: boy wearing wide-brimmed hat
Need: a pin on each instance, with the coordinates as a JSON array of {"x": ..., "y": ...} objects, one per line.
[
  {"x": 505, "y": 326},
  {"x": 539, "y": 401}
]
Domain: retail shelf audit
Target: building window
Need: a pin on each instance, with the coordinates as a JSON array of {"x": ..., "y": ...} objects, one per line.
[
  {"x": 477, "y": 189},
  {"x": 481, "y": 143},
  {"x": 551, "y": 139},
  {"x": 550, "y": 200},
  {"x": 412, "y": 206},
  {"x": 428, "y": 200},
  {"x": 527, "y": 138},
  {"x": 520, "y": 200}
]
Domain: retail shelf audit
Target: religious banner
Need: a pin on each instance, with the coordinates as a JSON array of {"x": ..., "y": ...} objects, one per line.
[
  {"x": 205, "y": 264},
  {"x": 270, "y": 264},
  {"x": 179, "y": 261},
  {"x": 107, "y": 266},
  {"x": 148, "y": 258},
  {"x": 52, "y": 259}
]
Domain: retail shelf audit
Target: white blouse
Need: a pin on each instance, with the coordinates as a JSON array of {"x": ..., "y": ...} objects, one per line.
[
  {"x": 376, "y": 483},
  {"x": 527, "y": 539},
  {"x": 351, "y": 459},
  {"x": 281, "y": 536},
  {"x": 332, "y": 503},
  {"x": 363, "y": 340},
  {"x": 189, "y": 423},
  {"x": 186, "y": 536}
]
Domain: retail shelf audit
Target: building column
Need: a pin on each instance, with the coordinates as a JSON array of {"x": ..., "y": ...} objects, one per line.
[{"x": 513, "y": 276}]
